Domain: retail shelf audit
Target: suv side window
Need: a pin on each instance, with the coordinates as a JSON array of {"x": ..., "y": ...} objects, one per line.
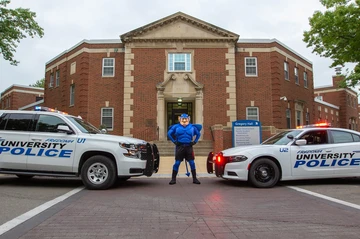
[
  {"x": 48, "y": 123},
  {"x": 2, "y": 121},
  {"x": 17, "y": 121}
]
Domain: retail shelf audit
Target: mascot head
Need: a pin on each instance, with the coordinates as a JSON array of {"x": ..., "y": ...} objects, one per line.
[{"x": 184, "y": 119}]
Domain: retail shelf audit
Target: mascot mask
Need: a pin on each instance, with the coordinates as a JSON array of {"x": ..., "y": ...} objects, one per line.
[{"x": 184, "y": 119}]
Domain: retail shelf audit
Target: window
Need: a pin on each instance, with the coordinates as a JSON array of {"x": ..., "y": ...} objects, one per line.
[
  {"x": 316, "y": 137},
  {"x": 252, "y": 113},
  {"x": 108, "y": 68},
  {"x": 307, "y": 118},
  {"x": 19, "y": 122},
  {"x": 286, "y": 70},
  {"x": 48, "y": 123},
  {"x": 298, "y": 117},
  {"x": 305, "y": 80},
  {"x": 8, "y": 102},
  {"x": 296, "y": 72},
  {"x": 51, "y": 83},
  {"x": 72, "y": 94},
  {"x": 250, "y": 66},
  {"x": 73, "y": 68},
  {"x": 179, "y": 61},
  {"x": 344, "y": 137},
  {"x": 288, "y": 118},
  {"x": 107, "y": 118},
  {"x": 57, "y": 76}
]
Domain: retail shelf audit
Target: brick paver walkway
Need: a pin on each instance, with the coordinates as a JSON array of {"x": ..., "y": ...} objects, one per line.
[{"x": 151, "y": 208}]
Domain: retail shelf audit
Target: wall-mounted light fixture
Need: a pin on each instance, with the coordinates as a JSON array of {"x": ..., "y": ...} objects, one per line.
[{"x": 179, "y": 100}]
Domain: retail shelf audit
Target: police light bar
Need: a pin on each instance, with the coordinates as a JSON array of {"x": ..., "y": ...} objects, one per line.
[
  {"x": 318, "y": 125},
  {"x": 42, "y": 108}
]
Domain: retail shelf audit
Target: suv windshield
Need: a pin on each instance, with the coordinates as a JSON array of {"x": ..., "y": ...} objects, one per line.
[
  {"x": 283, "y": 138},
  {"x": 84, "y": 126}
]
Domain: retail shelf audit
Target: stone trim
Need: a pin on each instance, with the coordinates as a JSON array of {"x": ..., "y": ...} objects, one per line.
[
  {"x": 128, "y": 92},
  {"x": 231, "y": 88}
]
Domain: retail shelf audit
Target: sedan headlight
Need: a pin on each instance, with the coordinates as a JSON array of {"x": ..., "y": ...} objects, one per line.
[
  {"x": 133, "y": 150},
  {"x": 236, "y": 158}
]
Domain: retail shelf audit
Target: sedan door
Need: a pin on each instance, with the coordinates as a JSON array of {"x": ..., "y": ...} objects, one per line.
[
  {"x": 312, "y": 160},
  {"x": 346, "y": 157}
]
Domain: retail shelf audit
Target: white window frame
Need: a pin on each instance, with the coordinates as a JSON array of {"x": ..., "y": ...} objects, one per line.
[
  {"x": 296, "y": 73},
  {"x": 51, "y": 83},
  {"x": 108, "y": 67},
  {"x": 72, "y": 95},
  {"x": 305, "y": 79},
  {"x": 57, "y": 78},
  {"x": 250, "y": 65},
  {"x": 286, "y": 70},
  {"x": 298, "y": 114},
  {"x": 251, "y": 116},
  {"x": 112, "y": 117},
  {"x": 186, "y": 61}
]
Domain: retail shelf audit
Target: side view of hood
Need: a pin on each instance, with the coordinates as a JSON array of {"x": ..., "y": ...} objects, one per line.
[{"x": 117, "y": 138}]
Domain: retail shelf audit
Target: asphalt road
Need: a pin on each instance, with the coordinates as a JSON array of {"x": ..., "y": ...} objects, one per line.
[{"x": 150, "y": 208}]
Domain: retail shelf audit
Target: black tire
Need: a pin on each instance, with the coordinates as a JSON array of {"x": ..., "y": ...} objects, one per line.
[
  {"x": 264, "y": 173},
  {"x": 24, "y": 176},
  {"x": 98, "y": 173}
]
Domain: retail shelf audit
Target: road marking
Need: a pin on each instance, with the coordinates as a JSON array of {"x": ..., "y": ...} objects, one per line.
[
  {"x": 326, "y": 197},
  {"x": 26, "y": 216}
]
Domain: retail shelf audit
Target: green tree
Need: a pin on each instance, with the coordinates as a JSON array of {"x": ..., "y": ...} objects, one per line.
[
  {"x": 39, "y": 83},
  {"x": 15, "y": 24},
  {"x": 335, "y": 34}
]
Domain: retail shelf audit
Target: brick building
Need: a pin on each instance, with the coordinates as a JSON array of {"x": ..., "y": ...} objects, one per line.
[
  {"x": 18, "y": 97},
  {"x": 137, "y": 85},
  {"x": 338, "y": 106}
]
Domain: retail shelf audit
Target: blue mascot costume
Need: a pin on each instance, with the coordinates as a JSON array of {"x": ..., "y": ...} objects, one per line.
[{"x": 182, "y": 135}]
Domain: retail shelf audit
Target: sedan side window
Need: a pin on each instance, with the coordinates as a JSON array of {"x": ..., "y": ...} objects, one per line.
[
  {"x": 342, "y": 137},
  {"x": 48, "y": 123},
  {"x": 316, "y": 137}
]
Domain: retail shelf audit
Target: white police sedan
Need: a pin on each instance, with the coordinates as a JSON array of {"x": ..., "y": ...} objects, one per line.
[{"x": 304, "y": 153}]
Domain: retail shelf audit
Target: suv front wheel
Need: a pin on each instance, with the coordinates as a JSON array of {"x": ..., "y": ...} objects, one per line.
[{"x": 98, "y": 172}]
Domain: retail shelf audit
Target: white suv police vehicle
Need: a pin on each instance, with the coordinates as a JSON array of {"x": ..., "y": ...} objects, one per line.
[
  {"x": 313, "y": 152},
  {"x": 43, "y": 143}
]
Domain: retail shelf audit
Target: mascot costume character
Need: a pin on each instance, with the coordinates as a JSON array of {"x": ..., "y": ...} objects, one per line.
[{"x": 182, "y": 135}]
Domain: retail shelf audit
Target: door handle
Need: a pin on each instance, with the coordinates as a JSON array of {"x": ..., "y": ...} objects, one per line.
[{"x": 36, "y": 139}]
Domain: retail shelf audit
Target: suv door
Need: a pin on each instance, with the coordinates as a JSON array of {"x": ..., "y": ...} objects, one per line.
[
  {"x": 14, "y": 138},
  {"x": 52, "y": 150}
]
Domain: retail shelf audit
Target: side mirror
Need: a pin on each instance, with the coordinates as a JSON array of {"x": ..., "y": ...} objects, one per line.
[
  {"x": 104, "y": 131},
  {"x": 65, "y": 129},
  {"x": 300, "y": 142}
]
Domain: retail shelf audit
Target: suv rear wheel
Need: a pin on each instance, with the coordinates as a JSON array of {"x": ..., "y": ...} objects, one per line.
[{"x": 98, "y": 172}]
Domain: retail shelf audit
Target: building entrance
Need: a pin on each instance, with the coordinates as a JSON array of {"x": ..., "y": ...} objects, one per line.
[{"x": 175, "y": 109}]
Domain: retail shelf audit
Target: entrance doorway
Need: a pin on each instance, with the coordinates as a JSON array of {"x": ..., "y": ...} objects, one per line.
[{"x": 175, "y": 109}]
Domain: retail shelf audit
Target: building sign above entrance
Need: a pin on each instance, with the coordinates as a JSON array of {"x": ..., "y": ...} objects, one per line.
[{"x": 246, "y": 132}]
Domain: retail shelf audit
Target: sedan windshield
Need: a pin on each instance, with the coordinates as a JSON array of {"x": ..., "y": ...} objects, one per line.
[
  {"x": 283, "y": 138},
  {"x": 84, "y": 126}
]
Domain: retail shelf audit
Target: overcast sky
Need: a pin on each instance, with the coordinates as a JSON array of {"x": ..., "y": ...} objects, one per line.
[{"x": 67, "y": 22}]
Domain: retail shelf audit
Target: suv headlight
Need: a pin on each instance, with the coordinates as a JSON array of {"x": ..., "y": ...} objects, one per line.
[
  {"x": 236, "y": 158},
  {"x": 133, "y": 150}
]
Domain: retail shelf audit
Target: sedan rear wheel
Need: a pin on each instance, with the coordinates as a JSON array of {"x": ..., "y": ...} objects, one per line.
[{"x": 264, "y": 173}]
